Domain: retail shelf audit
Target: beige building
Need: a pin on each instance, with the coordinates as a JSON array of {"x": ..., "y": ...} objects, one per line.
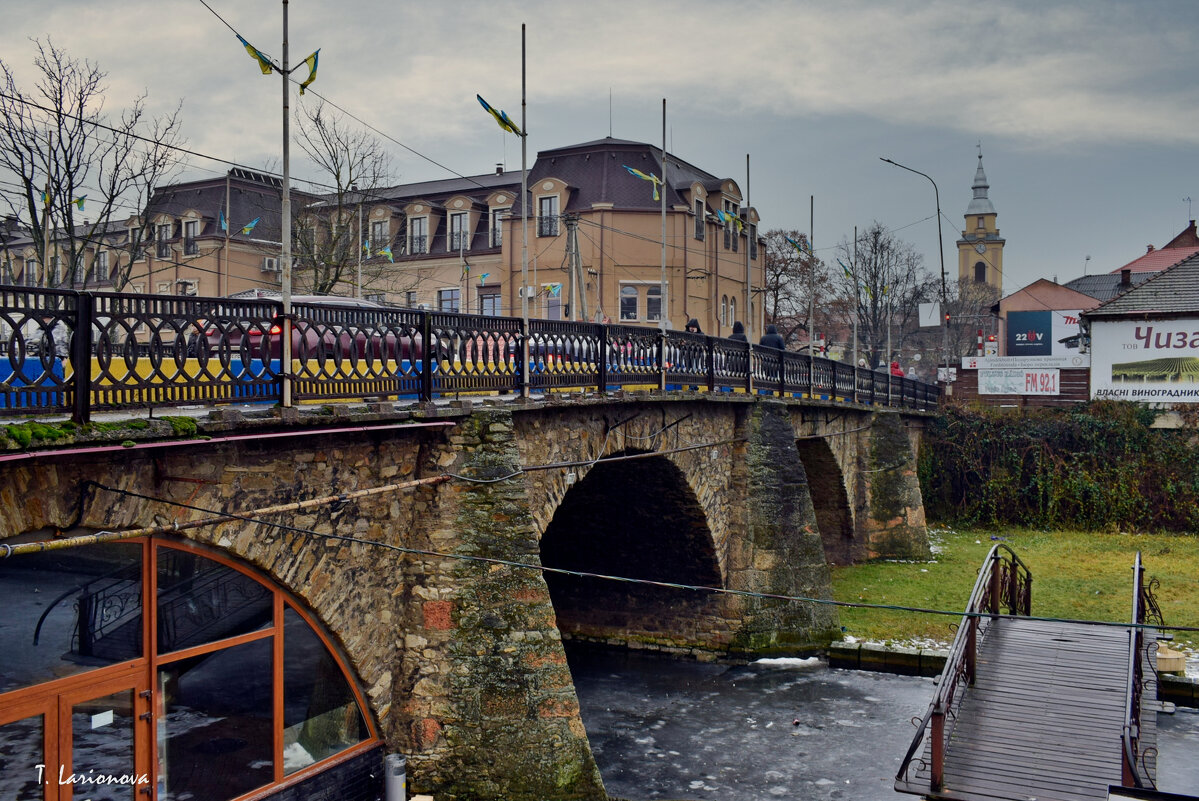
[{"x": 594, "y": 242}]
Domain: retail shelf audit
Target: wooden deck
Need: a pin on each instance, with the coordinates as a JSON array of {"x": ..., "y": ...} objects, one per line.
[{"x": 1044, "y": 717}]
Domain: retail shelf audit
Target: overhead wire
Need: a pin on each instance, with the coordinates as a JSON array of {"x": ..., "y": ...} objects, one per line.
[{"x": 223, "y": 517}]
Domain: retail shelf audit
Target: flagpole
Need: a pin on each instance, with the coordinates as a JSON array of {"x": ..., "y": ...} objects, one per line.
[
  {"x": 285, "y": 229},
  {"x": 811, "y": 294},
  {"x": 749, "y": 293},
  {"x": 856, "y": 305},
  {"x": 524, "y": 224},
  {"x": 662, "y": 311}
]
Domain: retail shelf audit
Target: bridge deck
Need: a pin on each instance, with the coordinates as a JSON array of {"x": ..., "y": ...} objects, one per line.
[{"x": 1045, "y": 715}]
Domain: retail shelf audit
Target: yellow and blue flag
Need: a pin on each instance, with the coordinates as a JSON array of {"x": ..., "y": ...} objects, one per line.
[
  {"x": 387, "y": 252},
  {"x": 264, "y": 63},
  {"x": 79, "y": 201},
  {"x": 798, "y": 246},
  {"x": 311, "y": 62},
  {"x": 655, "y": 180},
  {"x": 483, "y": 278},
  {"x": 501, "y": 117},
  {"x": 221, "y": 220},
  {"x": 250, "y": 225},
  {"x": 366, "y": 246}
]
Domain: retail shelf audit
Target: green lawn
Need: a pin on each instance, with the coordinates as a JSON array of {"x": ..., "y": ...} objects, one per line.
[{"x": 1075, "y": 575}]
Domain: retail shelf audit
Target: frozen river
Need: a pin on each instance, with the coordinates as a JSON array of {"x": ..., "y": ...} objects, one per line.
[{"x": 776, "y": 729}]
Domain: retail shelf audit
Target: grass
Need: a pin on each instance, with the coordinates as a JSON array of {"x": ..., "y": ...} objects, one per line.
[{"x": 1081, "y": 575}]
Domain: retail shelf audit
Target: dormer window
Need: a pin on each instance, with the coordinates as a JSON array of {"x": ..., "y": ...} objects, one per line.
[
  {"x": 162, "y": 236},
  {"x": 457, "y": 234},
  {"x": 191, "y": 232},
  {"x": 418, "y": 235},
  {"x": 547, "y": 215},
  {"x": 497, "y": 226},
  {"x": 380, "y": 235}
]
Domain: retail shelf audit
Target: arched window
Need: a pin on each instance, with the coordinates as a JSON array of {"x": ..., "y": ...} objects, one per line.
[
  {"x": 724, "y": 309},
  {"x": 223, "y": 686},
  {"x": 980, "y": 273},
  {"x": 732, "y": 309}
]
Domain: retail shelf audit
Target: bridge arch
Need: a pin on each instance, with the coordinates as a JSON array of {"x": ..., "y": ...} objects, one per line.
[
  {"x": 830, "y": 499},
  {"x": 637, "y": 518}
]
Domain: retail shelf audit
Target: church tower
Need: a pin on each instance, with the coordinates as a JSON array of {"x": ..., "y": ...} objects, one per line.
[{"x": 980, "y": 250}]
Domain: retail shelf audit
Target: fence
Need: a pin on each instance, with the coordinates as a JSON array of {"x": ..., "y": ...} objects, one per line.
[{"x": 79, "y": 352}]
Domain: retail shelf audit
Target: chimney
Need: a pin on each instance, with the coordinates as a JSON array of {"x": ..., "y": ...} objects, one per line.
[
  {"x": 1149, "y": 249},
  {"x": 1126, "y": 275},
  {"x": 499, "y": 169}
]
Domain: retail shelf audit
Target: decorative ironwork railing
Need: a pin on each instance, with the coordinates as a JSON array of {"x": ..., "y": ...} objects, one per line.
[
  {"x": 80, "y": 352},
  {"x": 1142, "y": 678},
  {"x": 1004, "y": 582}
]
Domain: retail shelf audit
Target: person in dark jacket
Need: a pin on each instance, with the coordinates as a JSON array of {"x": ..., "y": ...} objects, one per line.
[
  {"x": 693, "y": 326},
  {"x": 738, "y": 332},
  {"x": 772, "y": 339}
]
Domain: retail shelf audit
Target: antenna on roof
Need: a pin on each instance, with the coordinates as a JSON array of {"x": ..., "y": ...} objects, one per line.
[
  {"x": 609, "y": 112},
  {"x": 1085, "y": 262},
  {"x": 1187, "y": 200}
]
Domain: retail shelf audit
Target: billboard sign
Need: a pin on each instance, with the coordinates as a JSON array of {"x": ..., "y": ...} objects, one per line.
[
  {"x": 1148, "y": 361},
  {"x": 1042, "y": 333}
]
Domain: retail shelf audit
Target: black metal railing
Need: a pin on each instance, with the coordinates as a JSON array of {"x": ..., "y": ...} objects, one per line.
[
  {"x": 81, "y": 352},
  {"x": 1004, "y": 582},
  {"x": 1140, "y": 682}
]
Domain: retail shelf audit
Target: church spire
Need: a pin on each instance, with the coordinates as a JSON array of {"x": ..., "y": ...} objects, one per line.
[{"x": 981, "y": 204}]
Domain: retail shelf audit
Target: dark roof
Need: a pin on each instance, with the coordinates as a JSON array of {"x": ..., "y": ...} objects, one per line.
[
  {"x": 1105, "y": 286},
  {"x": 478, "y": 186},
  {"x": 251, "y": 196},
  {"x": 1171, "y": 292},
  {"x": 596, "y": 172}
]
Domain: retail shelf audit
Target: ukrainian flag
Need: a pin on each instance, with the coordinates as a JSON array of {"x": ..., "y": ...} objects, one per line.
[
  {"x": 655, "y": 180},
  {"x": 501, "y": 117},
  {"x": 264, "y": 63},
  {"x": 311, "y": 62}
]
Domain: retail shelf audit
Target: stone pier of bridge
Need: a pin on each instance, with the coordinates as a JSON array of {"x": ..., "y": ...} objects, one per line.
[{"x": 454, "y": 633}]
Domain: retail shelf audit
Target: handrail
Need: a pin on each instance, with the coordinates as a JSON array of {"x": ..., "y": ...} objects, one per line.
[
  {"x": 1001, "y": 582},
  {"x": 1131, "y": 732},
  {"x": 81, "y": 352}
]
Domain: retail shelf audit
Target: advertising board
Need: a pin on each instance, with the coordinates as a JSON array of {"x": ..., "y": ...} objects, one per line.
[{"x": 1148, "y": 361}]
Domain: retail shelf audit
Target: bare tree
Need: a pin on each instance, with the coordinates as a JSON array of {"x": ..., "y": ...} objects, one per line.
[
  {"x": 792, "y": 276},
  {"x": 970, "y": 311},
  {"x": 79, "y": 169},
  {"x": 883, "y": 287},
  {"x": 327, "y": 240}
]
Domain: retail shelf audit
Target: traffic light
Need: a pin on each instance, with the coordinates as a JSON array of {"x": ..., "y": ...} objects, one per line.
[{"x": 947, "y": 319}]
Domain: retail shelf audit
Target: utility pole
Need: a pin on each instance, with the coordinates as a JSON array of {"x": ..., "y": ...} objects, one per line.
[{"x": 285, "y": 227}]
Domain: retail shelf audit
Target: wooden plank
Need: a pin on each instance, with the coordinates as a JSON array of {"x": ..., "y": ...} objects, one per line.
[{"x": 1044, "y": 717}]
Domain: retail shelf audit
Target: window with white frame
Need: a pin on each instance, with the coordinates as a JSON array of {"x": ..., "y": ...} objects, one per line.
[
  {"x": 653, "y": 303},
  {"x": 732, "y": 309},
  {"x": 724, "y": 309},
  {"x": 410, "y": 298},
  {"x": 164, "y": 288},
  {"x": 497, "y": 226},
  {"x": 456, "y": 238},
  {"x": 30, "y": 276},
  {"x": 80, "y": 272},
  {"x": 162, "y": 236},
  {"x": 380, "y": 235},
  {"x": 191, "y": 233},
  {"x": 547, "y": 215},
  {"x": 448, "y": 299},
  {"x": 55, "y": 272},
  {"x": 100, "y": 271},
  {"x": 418, "y": 235},
  {"x": 629, "y": 301},
  {"x": 700, "y": 222},
  {"x": 728, "y": 233}
]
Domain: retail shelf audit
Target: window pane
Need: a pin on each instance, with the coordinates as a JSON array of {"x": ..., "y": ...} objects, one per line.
[
  {"x": 102, "y": 745},
  {"x": 320, "y": 715},
  {"x": 202, "y": 601},
  {"x": 69, "y": 611},
  {"x": 21, "y": 748},
  {"x": 628, "y": 303},
  {"x": 653, "y": 303},
  {"x": 214, "y": 727}
]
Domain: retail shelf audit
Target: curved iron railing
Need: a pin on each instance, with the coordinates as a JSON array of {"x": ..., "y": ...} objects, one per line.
[
  {"x": 1004, "y": 582},
  {"x": 1144, "y": 610},
  {"x": 80, "y": 352}
]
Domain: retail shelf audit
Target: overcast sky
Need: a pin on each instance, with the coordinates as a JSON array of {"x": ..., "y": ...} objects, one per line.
[{"x": 1087, "y": 112}]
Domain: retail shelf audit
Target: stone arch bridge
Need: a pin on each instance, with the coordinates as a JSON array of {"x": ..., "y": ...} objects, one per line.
[{"x": 456, "y": 642}]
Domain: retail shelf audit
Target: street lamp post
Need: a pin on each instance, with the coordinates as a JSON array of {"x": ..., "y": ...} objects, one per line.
[{"x": 941, "y": 252}]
